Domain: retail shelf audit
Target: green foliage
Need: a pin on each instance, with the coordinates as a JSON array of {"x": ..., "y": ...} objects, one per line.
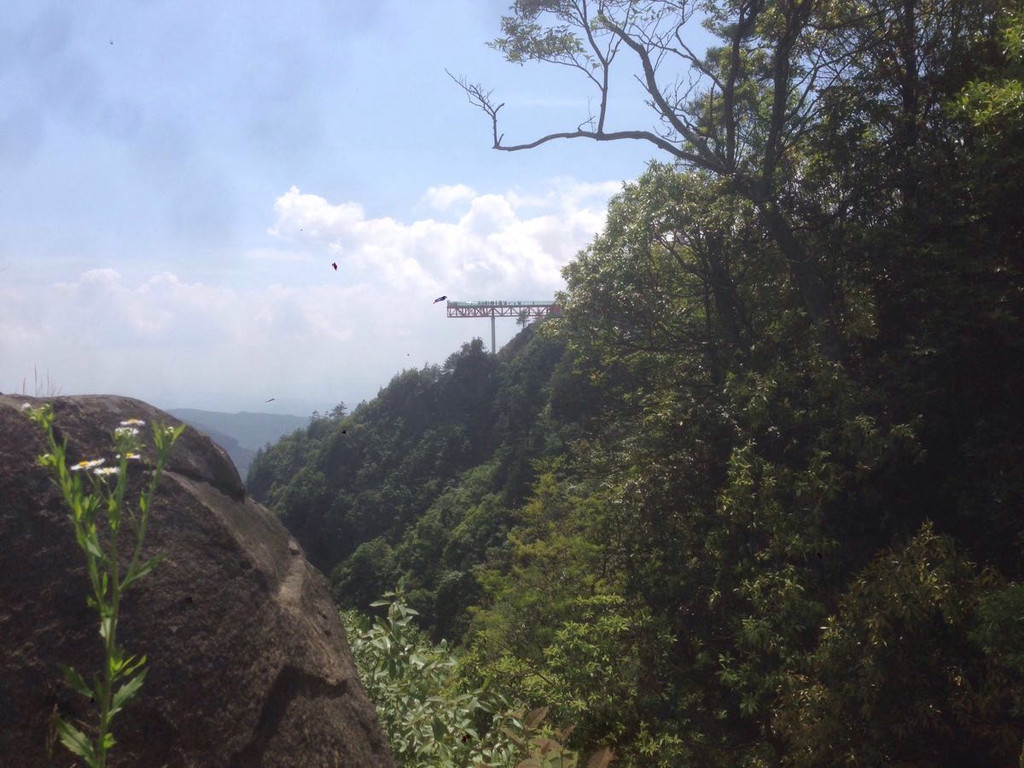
[
  {"x": 99, "y": 510},
  {"x": 274, "y": 466},
  {"x": 747, "y": 465},
  {"x": 896, "y": 678},
  {"x": 419, "y": 482},
  {"x": 431, "y": 715},
  {"x": 353, "y": 480},
  {"x": 365, "y": 574},
  {"x": 1000, "y": 632},
  {"x": 997, "y": 104},
  {"x": 555, "y": 632},
  {"x": 410, "y": 682},
  {"x": 726, "y": 509},
  {"x": 549, "y": 566}
]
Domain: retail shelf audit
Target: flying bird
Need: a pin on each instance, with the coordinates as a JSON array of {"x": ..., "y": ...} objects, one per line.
[
  {"x": 271, "y": 399},
  {"x": 440, "y": 298},
  {"x": 335, "y": 265}
]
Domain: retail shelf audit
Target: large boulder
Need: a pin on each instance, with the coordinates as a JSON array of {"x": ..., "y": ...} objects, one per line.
[{"x": 248, "y": 662}]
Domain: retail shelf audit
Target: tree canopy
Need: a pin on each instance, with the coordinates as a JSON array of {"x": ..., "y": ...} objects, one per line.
[{"x": 754, "y": 498}]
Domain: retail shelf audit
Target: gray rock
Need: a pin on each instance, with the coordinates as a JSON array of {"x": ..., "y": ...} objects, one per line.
[{"x": 248, "y": 662}]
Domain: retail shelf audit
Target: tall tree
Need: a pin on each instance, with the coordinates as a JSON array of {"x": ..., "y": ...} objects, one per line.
[{"x": 740, "y": 111}]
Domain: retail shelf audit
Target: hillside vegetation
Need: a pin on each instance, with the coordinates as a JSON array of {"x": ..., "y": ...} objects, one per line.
[
  {"x": 421, "y": 480},
  {"x": 732, "y": 509}
]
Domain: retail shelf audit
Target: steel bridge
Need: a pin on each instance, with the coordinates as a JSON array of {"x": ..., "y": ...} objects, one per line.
[{"x": 493, "y": 309}]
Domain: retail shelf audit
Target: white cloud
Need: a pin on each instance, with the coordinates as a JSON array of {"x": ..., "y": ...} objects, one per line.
[
  {"x": 312, "y": 215},
  {"x": 503, "y": 243},
  {"x": 298, "y": 334},
  {"x": 444, "y": 197}
]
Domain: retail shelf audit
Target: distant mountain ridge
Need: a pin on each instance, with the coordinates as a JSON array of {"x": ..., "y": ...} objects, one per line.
[{"x": 241, "y": 434}]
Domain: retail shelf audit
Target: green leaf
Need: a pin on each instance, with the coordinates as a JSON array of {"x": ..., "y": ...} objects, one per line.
[
  {"x": 131, "y": 664},
  {"x": 439, "y": 730},
  {"x": 76, "y": 741},
  {"x": 73, "y": 679},
  {"x": 126, "y": 692},
  {"x": 142, "y": 570},
  {"x": 91, "y": 545}
]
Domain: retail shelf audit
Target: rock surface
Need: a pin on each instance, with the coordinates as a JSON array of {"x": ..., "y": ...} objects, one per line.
[{"x": 249, "y": 665}]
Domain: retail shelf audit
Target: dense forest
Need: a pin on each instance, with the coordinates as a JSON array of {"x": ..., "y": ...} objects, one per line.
[{"x": 755, "y": 497}]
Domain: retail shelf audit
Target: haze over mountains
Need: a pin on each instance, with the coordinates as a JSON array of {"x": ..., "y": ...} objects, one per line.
[{"x": 241, "y": 434}]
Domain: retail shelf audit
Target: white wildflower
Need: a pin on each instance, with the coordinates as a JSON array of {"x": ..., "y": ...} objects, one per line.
[
  {"x": 106, "y": 471},
  {"x": 133, "y": 423},
  {"x": 126, "y": 431},
  {"x": 87, "y": 464},
  {"x": 26, "y": 406}
]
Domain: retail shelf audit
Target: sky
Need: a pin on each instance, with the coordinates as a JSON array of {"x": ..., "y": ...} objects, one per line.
[{"x": 179, "y": 176}]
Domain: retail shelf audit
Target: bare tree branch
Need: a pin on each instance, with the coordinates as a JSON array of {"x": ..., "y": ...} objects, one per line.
[
  {"x": 703, "y": 157},
  {"x": 478, "y": 97},
  {"x": 482, "y": 99}
]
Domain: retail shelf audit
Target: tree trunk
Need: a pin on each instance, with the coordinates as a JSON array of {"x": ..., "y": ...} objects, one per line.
[{"x": 806, "y": 277}]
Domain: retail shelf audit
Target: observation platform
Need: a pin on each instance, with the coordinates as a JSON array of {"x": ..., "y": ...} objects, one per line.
[{"x": 493, "y": 309}]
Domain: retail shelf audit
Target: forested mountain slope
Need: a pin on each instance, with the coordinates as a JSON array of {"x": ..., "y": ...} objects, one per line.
[
  {"x": 756, "y": 498},
  {"x": 420, "y": 480}
]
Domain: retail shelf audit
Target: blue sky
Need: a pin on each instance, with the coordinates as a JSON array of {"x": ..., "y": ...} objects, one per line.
[{"x": 179, "y": 176}]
